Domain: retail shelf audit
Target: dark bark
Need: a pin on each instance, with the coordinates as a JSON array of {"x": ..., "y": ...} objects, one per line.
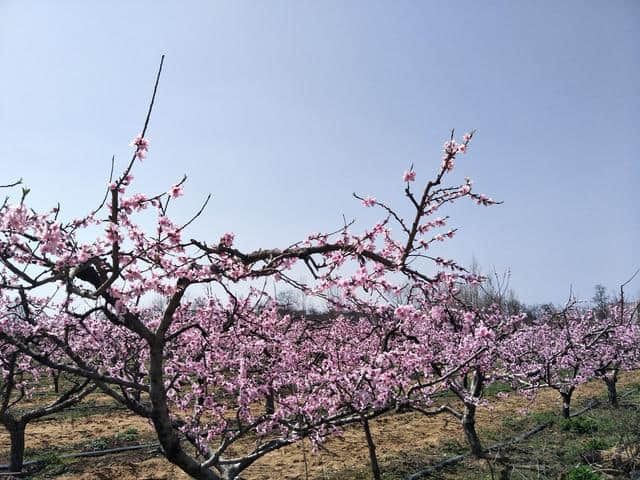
[
  {"x": 612, "y": 392},
  {"x": 375, "y": 468},
  {"x": 16, "y": 430},
  {"x": 566, "y": 403},
  {"x": 167, "y": 434},
  {"x": 270, "y": 405},
  {"x": 507, "y": 470},
  {"x": 56, "y": 380},
  {"x": 469, "y": 415},
  {"x": 16, "y": 425},
  {"x": 469, "y": 427}
]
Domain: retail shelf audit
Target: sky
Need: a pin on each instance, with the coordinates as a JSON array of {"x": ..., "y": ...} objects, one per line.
[{"x": 281, "y": 110}]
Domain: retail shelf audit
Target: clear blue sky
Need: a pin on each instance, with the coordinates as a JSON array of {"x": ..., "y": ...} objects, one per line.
[{"x": 282, "y": 109}]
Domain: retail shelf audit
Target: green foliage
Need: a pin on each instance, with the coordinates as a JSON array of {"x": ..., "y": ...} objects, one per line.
[
  {"x": 634, "y": 387},
  {"x": 511, "y": 422},
  {"x": 129, "y": 435},
  {"x": 101, "y": 443},
  {"x": 490, "y": 434},
  {"x": 544, "y": 417},
  {"x": 51, "y": 459},
  {"x": 497, "y": 387},
  {"x": 579, "y": 425},
  {"x": 453, "y": 445},
  {"x": 596, "y": 444},
  {"x": 582, "y": 472}
]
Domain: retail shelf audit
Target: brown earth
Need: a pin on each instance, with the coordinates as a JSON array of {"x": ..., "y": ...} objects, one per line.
[{"x": 395, "y": 435}]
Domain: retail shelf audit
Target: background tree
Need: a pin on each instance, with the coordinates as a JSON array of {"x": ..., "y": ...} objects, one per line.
[
  {"x": 601, "y": 302},
  {"x": 196, "y": 368}
]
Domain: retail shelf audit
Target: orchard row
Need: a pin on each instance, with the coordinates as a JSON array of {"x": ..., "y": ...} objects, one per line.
[{"x": 76, "y": 301}]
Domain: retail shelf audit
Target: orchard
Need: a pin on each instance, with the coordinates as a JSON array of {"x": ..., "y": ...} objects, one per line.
[{"x": 225, "y": 373}]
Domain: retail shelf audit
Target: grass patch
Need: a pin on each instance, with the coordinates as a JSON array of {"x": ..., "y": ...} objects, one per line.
[
  {"x": 579, "y": 425},
  {"x": 126, "y": 437},
  {"x": 596, "y": 444},
  {"x": 453, "y": 445},
  {"x": 543, "y": 417},
  {"x": 582, "y": 472},
  {"x": 130, "y": 436},
  {"x": 50, "y": 459},
  {"x": 565, "y": 449},
  {"x": 498, "y": 387},
  {"x": 605, "y": 437}
]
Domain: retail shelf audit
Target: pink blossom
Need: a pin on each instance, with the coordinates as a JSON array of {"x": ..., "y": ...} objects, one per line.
[
  {"x": 450, "y": 147},
  {"x": 483, "y": 332},
  {"x": 409, "y": 176},
  {"x": 369, "y": 201},
  {"x": 231, "y": 350},
  {"x": 142, "y": 146},
  {"x": 140, "y": 142},
  {"x": 175, "y": 191},
  {"x": 227, "y": 239}
]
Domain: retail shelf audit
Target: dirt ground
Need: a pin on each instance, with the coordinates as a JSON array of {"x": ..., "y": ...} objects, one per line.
[{"x": 395, "y": 435}]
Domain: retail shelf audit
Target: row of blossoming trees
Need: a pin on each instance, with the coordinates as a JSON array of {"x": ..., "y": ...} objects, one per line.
[{"x": 75, "y": 304}]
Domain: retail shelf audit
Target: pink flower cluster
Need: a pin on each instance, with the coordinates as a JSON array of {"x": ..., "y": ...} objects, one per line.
[
  {"x": 388, "y": 331},
  {"x": 142, "y": 146}
]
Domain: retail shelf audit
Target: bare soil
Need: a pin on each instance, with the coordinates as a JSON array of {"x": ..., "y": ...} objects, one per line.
[{"x": 397, "y": 436}]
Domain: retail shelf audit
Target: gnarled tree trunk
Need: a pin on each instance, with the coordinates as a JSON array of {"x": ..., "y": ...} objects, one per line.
[
  {"x": 469, "y": 427},
  {"x": 468, "y": 419},
  {"x": 167, "y": 435}
]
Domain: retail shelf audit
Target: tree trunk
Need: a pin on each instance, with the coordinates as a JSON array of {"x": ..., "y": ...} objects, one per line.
[
  {"x": 270, "y": 403},
  {"x": 476, "y": 388},
  {"x": 612, "y": 392},
  {"x": 375, "y": 468},
  {"x": 505, "y": 473},
  {"x": 566, "y": 403},
  {"x": 16, "y": 432},
  {"x": 56, "y": 380},
  {"x": 469, "y": 427},
  {"x": 168, "y": 436}
]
